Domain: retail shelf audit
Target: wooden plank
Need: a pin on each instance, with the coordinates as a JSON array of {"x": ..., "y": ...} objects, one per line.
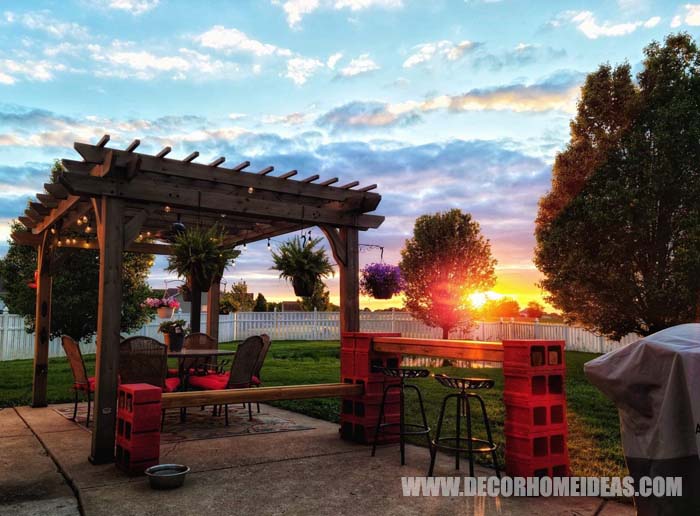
[
  {"x": 456, "y": 349},
  {"x": 39, "y": 208},
  {"x": 103, "y": 141},
  {"x": 367, "y": 188},
  {"x": 167, "y": 194},
  {"x": 213, "y": 299},
  {"x": 42, "y": 323},
  {"x": 349, "y": 185},
  {"x": 132, "y": 146},
  {"x": 231, "y": 396},
  {"x": 368, "y": 201},
  {"x": 289, "y": 174},
  {"x": 25, "y": 238},
  {"x": 350, "y": 281},
  {"x": 265, "y": 171},
  {"x": 217, "y": 162},
  {"x": 56, "y": 190},
  {"x": 111, "y": 229},
  {"x": 57, "y": 213},
  {"x": 28, "y": 223},
  {"x": 337, "y": 244},
  {"x": 47, "y": 200},
  {"x": 241, "y": 166},
  {"x": 191, "y": 157},
  {"x": 310, "y": 179},
  {"x": 164, "y": 152}
]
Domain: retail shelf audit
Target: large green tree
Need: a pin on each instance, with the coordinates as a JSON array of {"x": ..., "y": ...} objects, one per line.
[
  {"x": 319, "y": 300},
  {"x": 446, "y": 260},
  {"x": 623, "y": 254},
  {"x": 74, "y": 289}
]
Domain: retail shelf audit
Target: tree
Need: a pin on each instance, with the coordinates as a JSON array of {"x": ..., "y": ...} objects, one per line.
[
  {"x": 74, "y": 289},
  {"x": 534, "y": 310},
  {"x": 504, "y": 307},
  {"x": 260, "y": 304},
  {"x": 319, "y": 300},
  {"x": 446, "y": 259},
  {"x": 623, "y": 255},
  {"x": 238, "y": 299}
]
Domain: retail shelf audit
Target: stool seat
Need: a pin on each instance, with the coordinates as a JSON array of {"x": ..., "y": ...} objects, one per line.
[
  {"x": 484, "y": 445},
  {"x": 464, "y": 384},
  {"x": 389, "y": 429},
  {"x": 404, "y": 372}
]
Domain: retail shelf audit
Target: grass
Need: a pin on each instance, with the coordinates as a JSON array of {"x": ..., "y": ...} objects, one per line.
[{"x": 594, "y": 432}]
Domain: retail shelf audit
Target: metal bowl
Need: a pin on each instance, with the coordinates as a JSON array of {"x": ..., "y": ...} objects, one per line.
[{"x": 167, "y": 476}]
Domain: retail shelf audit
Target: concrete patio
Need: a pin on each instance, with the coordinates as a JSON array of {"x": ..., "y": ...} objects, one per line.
[{"x": 44, "y": 471}]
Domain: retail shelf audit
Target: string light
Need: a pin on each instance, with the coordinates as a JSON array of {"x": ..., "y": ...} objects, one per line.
[
  {"x": 53, "y": 231},
  {"x": 245, "y": 246},
  {"x": 88, "y": 229},
  {"x": 268, "y": 243},
  {"x": 85, "y": 219},
  {"x": 167, "y": 209},
  {"x": 251, "y": 189},
  {"x": 79, "y": 221}
]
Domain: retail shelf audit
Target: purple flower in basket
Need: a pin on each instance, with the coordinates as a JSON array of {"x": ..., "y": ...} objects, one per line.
[
  {"x": 381, "y": 280},
  {"x": 166, "y": 302}
]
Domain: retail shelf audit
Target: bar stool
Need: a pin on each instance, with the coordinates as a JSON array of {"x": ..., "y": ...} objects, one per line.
[
  {"x": 464, "y": 385},
  {"x": 389, "y": 428}
]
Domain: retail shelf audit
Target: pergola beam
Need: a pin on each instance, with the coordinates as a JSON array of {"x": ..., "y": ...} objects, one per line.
[{"x": 80, "y": 184}]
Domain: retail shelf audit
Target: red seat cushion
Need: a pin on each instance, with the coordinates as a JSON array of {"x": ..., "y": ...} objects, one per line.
[
  {"x": 173, "y": 372},
  {"x": 255, "y": 380},
  {"x": 210, "y": 382},
  {"x": 83, "y": 387},
  {"x": 171, "y": 384}
]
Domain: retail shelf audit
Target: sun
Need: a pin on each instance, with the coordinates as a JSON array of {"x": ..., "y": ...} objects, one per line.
[{"x": 479, "y": 299}]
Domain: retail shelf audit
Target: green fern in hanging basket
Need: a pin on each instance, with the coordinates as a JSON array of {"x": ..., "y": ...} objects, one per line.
[
  {"x": 302, "y": 264},
  {"x": 201, "y": 255}
]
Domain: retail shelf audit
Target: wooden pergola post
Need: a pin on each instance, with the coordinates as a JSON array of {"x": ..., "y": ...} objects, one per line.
[
  {"x": 110, "y": 227},
  {"x": 42, "y": 328},
  {"x": 213, "y": 298},
  {"x": 346, "y": 251}
]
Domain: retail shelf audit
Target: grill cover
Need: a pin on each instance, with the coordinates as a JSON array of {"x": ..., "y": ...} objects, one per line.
[{"x": 655, "y": 384}]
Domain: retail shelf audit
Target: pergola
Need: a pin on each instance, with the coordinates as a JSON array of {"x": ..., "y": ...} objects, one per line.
[{"x": 132, "y": 199}]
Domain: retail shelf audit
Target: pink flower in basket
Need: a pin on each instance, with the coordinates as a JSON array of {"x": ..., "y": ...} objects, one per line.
[{"x": 166, "y": 302}]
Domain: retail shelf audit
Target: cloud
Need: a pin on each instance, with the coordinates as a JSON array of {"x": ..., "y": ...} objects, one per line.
[
  {"x": 677, "y": 21},
  {"x": 333, "y": 60},
  {"x": 300, "y": 69},
  {"x": 297, "y": 9},
  {"x": 586, "y": 23},
  {"x": 12, "y": 70},
  {"x": 358, "y": 66},
  {"x": 234, "y": 40},
  {"x": 445, "y": 50},
  {"x": 135, "y": 7},
  {"x": 556, "y": 92},
  {"x": 691, "y": 16},
  {"x": 365, "y": 115},
  {"x": 520, "y": 55},
  {"x": 46, "y": 22},
  {"x": 296, "y": 118}
]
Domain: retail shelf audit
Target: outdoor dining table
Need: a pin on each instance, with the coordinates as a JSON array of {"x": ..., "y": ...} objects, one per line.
[{"x": 195, "y": 353}]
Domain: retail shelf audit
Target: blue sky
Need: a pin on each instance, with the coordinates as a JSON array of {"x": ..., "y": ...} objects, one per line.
[{"x": 447, "y": 103}]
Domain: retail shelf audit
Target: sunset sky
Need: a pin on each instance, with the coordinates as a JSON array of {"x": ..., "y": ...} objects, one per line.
[{"x": 442, "y": 103}]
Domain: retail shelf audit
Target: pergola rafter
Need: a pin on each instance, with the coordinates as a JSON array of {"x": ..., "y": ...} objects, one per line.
[{"x": 128, "y": 201}]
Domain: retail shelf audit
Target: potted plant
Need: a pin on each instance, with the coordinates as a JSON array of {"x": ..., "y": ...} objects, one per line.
[
  {"x": 381, "y": 280},
  {"x": 185, "y": 291},
  {"x": 174, "y": 333},
  {"x": 302, "y": 263},
  {"x": 200, "y": 255},
  {"x": 163, "y": 306}
]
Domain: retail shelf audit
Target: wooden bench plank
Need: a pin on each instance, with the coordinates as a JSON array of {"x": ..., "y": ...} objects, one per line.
[
  {"x": 287, "y": 392},
  {"x": 455, "y": 349}
]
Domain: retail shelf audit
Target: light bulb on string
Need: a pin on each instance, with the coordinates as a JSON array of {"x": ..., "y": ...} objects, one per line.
[{"x": 268, "y": 243}]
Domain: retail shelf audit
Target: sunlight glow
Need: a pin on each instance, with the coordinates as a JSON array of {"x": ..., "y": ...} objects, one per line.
[{"x": 479, "y": 299}]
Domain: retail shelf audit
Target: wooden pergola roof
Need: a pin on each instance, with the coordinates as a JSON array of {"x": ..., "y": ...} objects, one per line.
[{"x": 158, "y": 190}]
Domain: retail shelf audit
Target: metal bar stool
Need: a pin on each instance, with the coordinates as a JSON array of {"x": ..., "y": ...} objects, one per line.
[
  {"x": 404, "y": 428},
  {"x": 463, "y": 410}
]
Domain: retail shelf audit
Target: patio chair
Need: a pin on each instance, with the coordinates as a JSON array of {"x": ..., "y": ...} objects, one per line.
[
  {"x": 256, "y": 380},
  {"x": 145, "y": 360},
  {"x": 240, "y": 376},
  {"x": 81, "y": 381}
]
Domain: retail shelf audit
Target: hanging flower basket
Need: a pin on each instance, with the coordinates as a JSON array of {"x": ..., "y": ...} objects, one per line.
[
  {"x": 186, "y": 291},
  {"x": 174, "y": 333},
  {"x": 302, "y": 287},
  {"x": 381, "y": 281},
  {"x": 164, "y": 307}
]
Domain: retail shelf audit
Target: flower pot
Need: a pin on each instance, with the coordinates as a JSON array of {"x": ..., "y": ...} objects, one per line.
[
  {"x": 186, "y": 291},
  {"x": 165, "y": 312},
  {"x": 302, "y": 288},
  {"x": 382, "y": 292},
  {"x": 174, "y": 340}
]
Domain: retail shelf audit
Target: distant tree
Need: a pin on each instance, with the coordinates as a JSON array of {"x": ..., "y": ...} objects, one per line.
[
  {"x": 319, "y": 300},
  {"x": 446, "y": 259},
  {"x": 74, "y": 289},
  {"x": 260, "y": 304},
  {"x": 534, "y": 310},
  {"x": 623, "y": 254},
  {"x": 238, "y": 299},
  {"x": 504, "y": 307}
]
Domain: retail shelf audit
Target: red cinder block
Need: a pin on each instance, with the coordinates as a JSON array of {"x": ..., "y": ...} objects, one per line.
[
  {"x": 536, "y": 444},
  {"x": 363, "y": 341},
  {"x": 534, "y": 384},
  {"x": 125, "y": 462},
  {"x": 144, "y": 418},
  {"x": 371, "y": 410},
  {"x": 534, "y": 354},
  {"x": 131, "y": 394},
  {"x": 523, "y": 466},
  {"x": 347, "y": 363},
  {"x": 141, "y": 446},
  {"x": 527, "y": 414},
  {"x": 347, "y": 341}
]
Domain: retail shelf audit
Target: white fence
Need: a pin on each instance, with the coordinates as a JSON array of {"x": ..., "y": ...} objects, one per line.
[{"x": 16, "y": 343}]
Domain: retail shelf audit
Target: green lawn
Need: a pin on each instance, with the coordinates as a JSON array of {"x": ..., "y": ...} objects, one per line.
[{"x": 594, "y": 435}]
